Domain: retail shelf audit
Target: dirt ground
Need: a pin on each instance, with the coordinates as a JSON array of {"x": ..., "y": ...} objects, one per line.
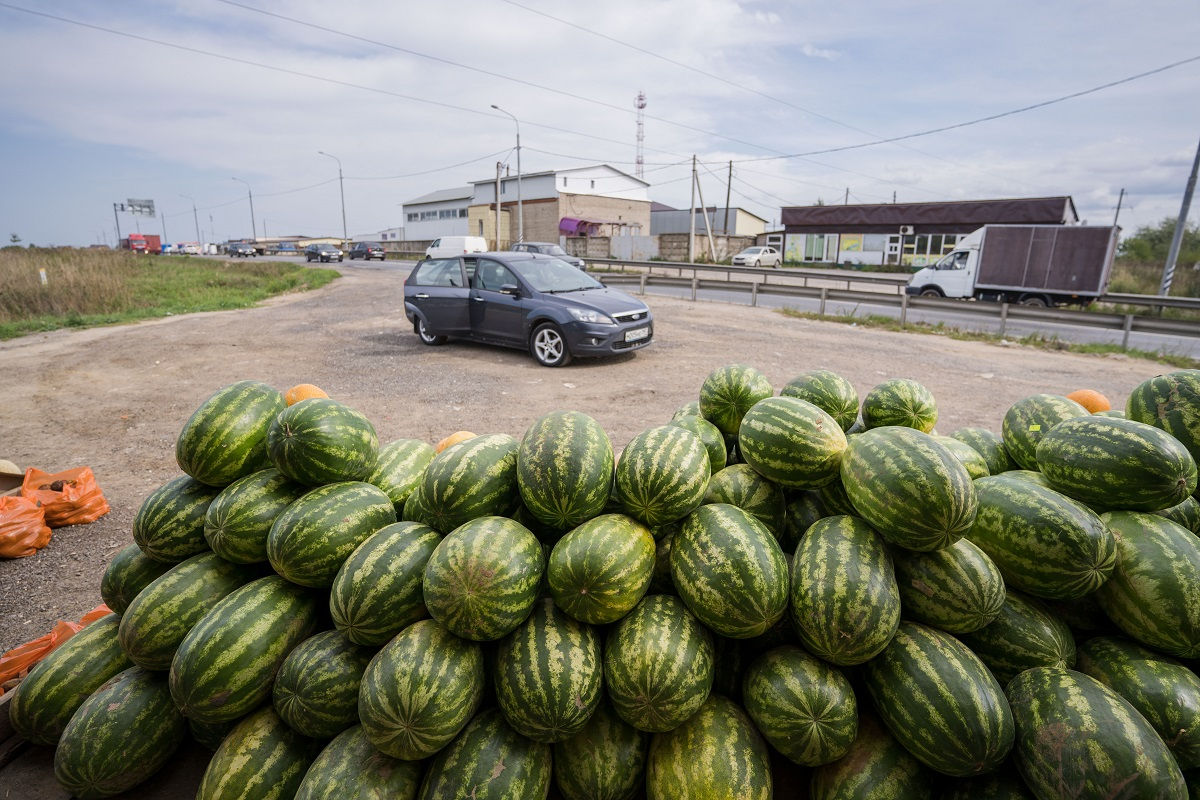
[{"x": 115, "y": 398}]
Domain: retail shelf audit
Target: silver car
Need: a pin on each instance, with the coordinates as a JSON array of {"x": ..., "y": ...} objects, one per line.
[{"x": 758, "y": 257}]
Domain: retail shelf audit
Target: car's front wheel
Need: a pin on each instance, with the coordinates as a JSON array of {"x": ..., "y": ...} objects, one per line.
[
  {"x": 549, "y": 346},
  {"x": 426, "y": 337}
]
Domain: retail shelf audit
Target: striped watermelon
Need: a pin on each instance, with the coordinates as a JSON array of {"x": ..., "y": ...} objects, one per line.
[
  {"x": 1154, "y": 592},
  {"x": 800, "y": 512},
  {"x": 350, "y": 768},
  {"x": 805, "y": 708},
  {"x": 689, "y": 409},
  {"x": 158, "y": 618},
  {"x": 1186, "y": 514},
  {"x": 730, "y": 572},
  {"x": 988, "y": 444},
  {"x": 464, "y": 483},
  {"x": 958, "y": 589},
  {"x": 129, "y": 572},
  {"x": 908, "y": 487},
  {"x": 900, "y": 402},
  {"x": 729, "y": 392},
  {"x": 224, "y": 666},
  {"x": 1115, "y": 413},
  {"x": 662, "y": 475},
  {"x": 833, "y": 499},
  {"x": 1028, "y": 420},
  {"x": 1116, "y": 463},
  {"x": 42, "y": 704},
  {"x": 420, "y": 690},
  {"x": 121, "y": 735},
  {"x": 658, "y": 664},
  {"x": 565, "y": 468},
  {"x": 660, "y": 582},
  {"x": 400, "y": 466},
  {"x": 482, "y": 579},
  {"x": 316, "y": 689},
  {"x": 262, "y": 758},
  {"x": 829, "y": 392},
  {"x": 1076, "y": 737},
  {"x": 1171, "y": 403},
  {"x": 712, "y": 439},
  {"x": 1024, "y": 635},
  {"x": 875, "y": 768},
  {"x": 415, "y": 509},
  {"x": 320, "y": 441},
  {"x": 313, "y": 537},
  {"x": 169, "y": 525},
  {"x": 715, "y": 753},
  {"x": 606, "y": 760},
  {"x": 975, "y": 464},
  {"x": 239, "y": 519},
  {"x": 598, "y": 572},
  {"x": 1003, "y": 784},
  {"x": 940, "y": 702},
  {"x": 844, "y": 600},
  {"x": 548, "y": 675},
  {"x": 1044, "y": 543},
  {"x": 470, "y": 768},
  {"x": 225, "y": 438},
  {"x": 739, "y": 485},
  {"x": 378, "y": 591},
  {"x": 791, "y": 442}
]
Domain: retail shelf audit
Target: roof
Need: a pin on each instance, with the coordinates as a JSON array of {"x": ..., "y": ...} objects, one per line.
[
  {"x": 947, "y": 217},
  {"x": 657, "y": 206},
  {"x": 442, "y": 195},
  {"x": 556, "y": 172}
]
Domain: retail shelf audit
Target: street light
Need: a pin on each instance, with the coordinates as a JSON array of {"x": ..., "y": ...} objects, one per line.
[
  {"x": 341, "y": 190},
  {"x": 195, "y": 218},
  {"x": 520, "y": 210},
  {"x": 250, "y": 194}
]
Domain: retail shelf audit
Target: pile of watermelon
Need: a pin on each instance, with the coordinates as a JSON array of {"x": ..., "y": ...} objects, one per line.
[{"x": 769, "y": 590}]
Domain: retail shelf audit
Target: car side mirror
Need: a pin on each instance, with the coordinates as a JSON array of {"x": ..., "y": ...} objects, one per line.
[{"x": 510, "y": 288}]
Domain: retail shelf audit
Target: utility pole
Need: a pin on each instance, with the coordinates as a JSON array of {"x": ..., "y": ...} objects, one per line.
[
  {"x": 195, "y": 217},
  {"x": 118, "y": 221},
  {"x": 1117, "y": 215},
  {"x": 341, "y": 191},
  {"x": 250, "y": 194},
  {"x": 692, "y": 217},
  {"x": 163, "y": 219},
  {"x": 846, "y": 202},
  {"x": 499, "y": 166},
  {"x": 1180, "y": 227},
  {"x": 728, "y": 189},
  {"x": 712, "y": 248},
  {"x": 520, "y": 207}
]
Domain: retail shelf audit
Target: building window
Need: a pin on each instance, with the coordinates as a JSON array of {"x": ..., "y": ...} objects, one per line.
[
  {"x": 564, "y": 180},
  {"x": 462, "y": 213},
  {"x": 414, "y": 217},
  {"x": 593, "y": 184}
]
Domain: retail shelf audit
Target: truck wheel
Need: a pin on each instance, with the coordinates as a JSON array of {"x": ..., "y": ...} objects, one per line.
[
  {"x": 1034, "y": 301},
  {"x": 931, "y": 292}
]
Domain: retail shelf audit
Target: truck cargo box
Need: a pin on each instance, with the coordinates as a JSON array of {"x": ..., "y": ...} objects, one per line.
[{"x": 1064, "y": 259}]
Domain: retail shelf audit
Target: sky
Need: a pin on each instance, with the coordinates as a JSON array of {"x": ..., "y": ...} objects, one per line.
[{"x": 172, "y": 101}]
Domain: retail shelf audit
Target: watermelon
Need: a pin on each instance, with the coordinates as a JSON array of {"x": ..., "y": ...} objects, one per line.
[
  {"x": 1028, "y": 420},
  {"x": 350, "y": 768},
  {"x": 565, "y": 468},
  {"x": 1044, "y": 543},
  {"x": 399, "y": 467},
  {"x": 689, "y": 409},
  {"x": 239, "y": 519},
  {"x": 169, "y": 525},
  {"x": 598, "y": 572},
  {"x": 715, "y": 753},
  {"x": 1024, "y": 635},
  {"x": 729, "y": 392},
  {"x": 1154, "y": 592},
  {"x": 1164, "y": 692},
  {"x": 801, "y": 511},
  {"x": 158, "y": 618},
  {"x": 1171, "y": 403},
  {"x": 481, "y": 580},
  {"x": 900, "y": 402},
  {"x": 225, "y": 438},
  {"x": 844, "y": 600},
  {"x": 662, "y": 475},
  {"x": 791, "y": 442},
  {"x": 316, "y": 690},
  {"x": 805, "y": 708},
  {"x": 1003, "y": 784},
  {"x": 1115, "y": 413},
  {"x": 908, "y": 487},
  {"x": 829, "y": 392},
  {"x": 42, "y": 704},
  {"x": 464, "y": 483},
  {"x": 833, "y": 499},
  {"x": 548, "y": 674},
  {"x": 415, "y": 509},
  {"x": 875, "y": 768},
  {"x": 1186, "y": 514},
  {"x": 606, "y": 760},
  {"x": 420, "y": 690},
  {"x": 470, "y": 768},
  {"x": 712, "y": 439},
  {"x": 739, "y": 485},
  {"x": 1076, "y": 737},
  {"x": 730, "y": 572},
  {"x": 225, "y": 665},
  {"x": 378, "y": 591},
  {"x": 129, "y": 572},
  {"x": 940, "y": 702},
  {"x": 957, "y": 589},
  {"x": 121, "y": 735},
  {"x": 988, "y": 444},
  {"x": 311, "y": 539},
  {"x": 319, "y": 441},
  {"x": 975, "y": 464},
  {"x": 658, "y": 664},
  {"x": 660, "y": 582},
  {"x": 261, "y": 758}
]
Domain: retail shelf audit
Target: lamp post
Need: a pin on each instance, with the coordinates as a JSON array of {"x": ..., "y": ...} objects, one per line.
[
  {"x": 195, "y": 217},
  {"x": 520, "y": 211},
  {"x": 250, "y": 194},
  {"x": 341, "y": 190}
]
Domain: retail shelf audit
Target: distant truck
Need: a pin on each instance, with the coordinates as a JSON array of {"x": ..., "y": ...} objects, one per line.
[
  {"x": 142, "y": 243},
  {"x": 1033, "y": 265}
]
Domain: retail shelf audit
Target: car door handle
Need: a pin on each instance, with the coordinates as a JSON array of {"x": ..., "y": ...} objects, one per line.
[
  {"x": 477, "y": 299},
  {"x": 421, "y": 296}
]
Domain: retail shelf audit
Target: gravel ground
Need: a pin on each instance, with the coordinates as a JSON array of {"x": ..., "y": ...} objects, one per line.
[{"x": 115, "y": 398}]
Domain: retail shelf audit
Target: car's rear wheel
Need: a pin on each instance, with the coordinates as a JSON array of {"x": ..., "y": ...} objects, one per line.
[
  {"x": 423, "y": 333},
  {"x": 549, "y": 346}
]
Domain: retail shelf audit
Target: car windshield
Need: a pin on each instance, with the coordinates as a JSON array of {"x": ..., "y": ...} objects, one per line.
[
  {"x": 553, "y": 250},
  {"x": 752, "y": 251},
  {"x": 551, "y": 275}
]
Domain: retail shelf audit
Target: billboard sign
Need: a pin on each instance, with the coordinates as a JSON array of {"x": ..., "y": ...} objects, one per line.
[{"x": 143, "y": 208}]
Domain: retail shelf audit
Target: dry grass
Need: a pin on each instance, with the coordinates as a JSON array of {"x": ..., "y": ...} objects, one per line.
[{"x": 1144, "y": 277}]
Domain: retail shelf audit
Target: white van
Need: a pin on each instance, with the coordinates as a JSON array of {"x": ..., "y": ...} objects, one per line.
[{"x": 456, "y": 246}]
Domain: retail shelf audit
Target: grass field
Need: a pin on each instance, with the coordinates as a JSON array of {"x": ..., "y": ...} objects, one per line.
[{"x": 43, "y": 289}]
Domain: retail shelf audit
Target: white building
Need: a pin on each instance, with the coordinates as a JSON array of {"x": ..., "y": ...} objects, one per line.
[{"x": 440, "y": 213}]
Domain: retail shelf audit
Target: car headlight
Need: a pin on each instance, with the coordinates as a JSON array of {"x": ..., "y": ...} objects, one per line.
[{"x": 588, "y": 315}]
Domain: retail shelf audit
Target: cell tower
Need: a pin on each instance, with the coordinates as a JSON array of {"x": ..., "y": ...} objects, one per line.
[{"x": 640, "y": 105}]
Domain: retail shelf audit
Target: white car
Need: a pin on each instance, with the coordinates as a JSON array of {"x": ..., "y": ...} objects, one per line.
[{"x": 758, "y": 257}]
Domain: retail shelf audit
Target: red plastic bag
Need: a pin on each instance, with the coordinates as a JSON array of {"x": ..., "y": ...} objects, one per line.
[
  {"x": 68, "y": 498},
  {"x": 23, "y": 528},
  {"x": 19, "y": 660}
]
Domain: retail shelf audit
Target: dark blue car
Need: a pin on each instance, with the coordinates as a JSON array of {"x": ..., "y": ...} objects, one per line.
[{"x": 523, "y": 300}]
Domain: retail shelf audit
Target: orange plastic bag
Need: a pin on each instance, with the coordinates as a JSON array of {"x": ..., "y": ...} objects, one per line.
[
  {"x": 68, "y": 498},
  {"x": 19, "y": 660},
  {"x": 23, "y": 528}
]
